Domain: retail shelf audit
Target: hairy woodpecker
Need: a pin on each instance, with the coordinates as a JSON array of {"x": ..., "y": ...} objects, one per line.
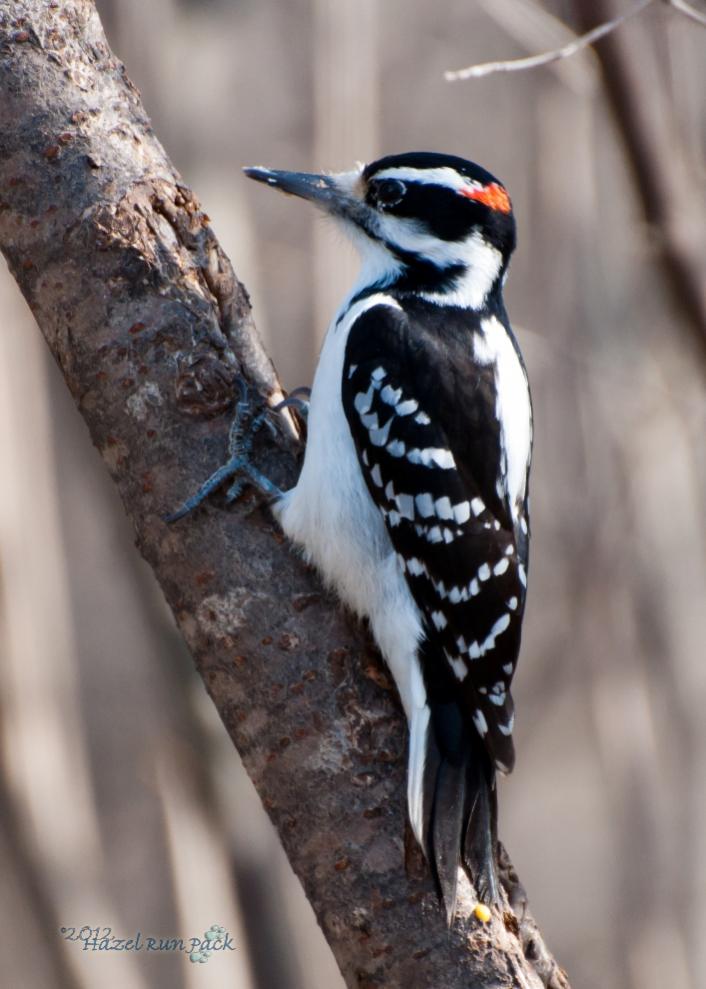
[{"x": 412, "y": 498}]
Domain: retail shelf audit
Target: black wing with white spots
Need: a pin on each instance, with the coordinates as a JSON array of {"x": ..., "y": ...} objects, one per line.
[{"x": 423, "y": 417}]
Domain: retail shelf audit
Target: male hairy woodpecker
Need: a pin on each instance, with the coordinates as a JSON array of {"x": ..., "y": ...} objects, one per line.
[{"x": 412, "y": 498}]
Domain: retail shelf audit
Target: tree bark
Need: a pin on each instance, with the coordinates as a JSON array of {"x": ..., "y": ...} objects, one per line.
[{"x": 150, "y": 326}]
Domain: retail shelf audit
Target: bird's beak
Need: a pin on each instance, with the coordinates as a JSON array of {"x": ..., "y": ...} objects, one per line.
[
  {"x": 335, "y": 194},
  {"x": 320, "y": 189}
]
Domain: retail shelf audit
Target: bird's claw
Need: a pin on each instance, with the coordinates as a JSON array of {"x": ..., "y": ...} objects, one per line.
[
  {"x": 235, "y": 490},
  {"x": 297, "y": 399},
  {"x": 240, "y": 440}
]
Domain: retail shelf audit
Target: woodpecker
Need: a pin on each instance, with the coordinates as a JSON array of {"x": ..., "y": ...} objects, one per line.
[{"x": 412, "y": 499}]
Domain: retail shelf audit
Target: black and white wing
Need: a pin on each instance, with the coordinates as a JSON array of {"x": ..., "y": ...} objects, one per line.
[
  {"x": 439, "y": 410},
  {"x": 423, "y": 415}
]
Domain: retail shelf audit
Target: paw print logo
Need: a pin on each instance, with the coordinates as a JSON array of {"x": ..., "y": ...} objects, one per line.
[
  {"x": 199, "y": 956},
  {"x": 214, "y": 933},
  {"x": 204, "y": 951}
]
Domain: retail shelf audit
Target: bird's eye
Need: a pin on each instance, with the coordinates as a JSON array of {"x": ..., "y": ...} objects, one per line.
[{"x": 387, "y": 192}]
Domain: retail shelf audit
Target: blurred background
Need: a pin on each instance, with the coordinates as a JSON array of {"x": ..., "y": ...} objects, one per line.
[{"x": 122, "y": 802}]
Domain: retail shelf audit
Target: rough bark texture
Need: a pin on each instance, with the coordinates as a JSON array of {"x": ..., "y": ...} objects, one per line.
[{"x": 144, "y": 315}]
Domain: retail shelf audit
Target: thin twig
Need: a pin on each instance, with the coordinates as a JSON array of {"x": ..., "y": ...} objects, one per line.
[
  {"x": 685, "y": 8},
  {"x": 534, "y": 28},
  {"x": 533, "y": 61}
]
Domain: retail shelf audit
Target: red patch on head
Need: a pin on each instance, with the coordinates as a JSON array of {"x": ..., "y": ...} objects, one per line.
[{"x": 492, "y": 195}]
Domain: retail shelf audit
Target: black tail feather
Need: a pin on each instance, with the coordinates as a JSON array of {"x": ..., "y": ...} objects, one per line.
[
  {"x": 481, "y": 837},
  {"x": 447, "y": 831},
  {"x": 460, "y": 803}
]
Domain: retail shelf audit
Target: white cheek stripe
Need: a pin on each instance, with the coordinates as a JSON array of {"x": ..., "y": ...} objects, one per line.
[
  {"x": 447, "y": 177},
  {"x": 480, "y": 260}
]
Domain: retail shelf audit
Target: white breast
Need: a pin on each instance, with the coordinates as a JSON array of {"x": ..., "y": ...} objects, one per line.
[
  {"x": 331, "y": 515},
  {"x": 330, "y": 512}
]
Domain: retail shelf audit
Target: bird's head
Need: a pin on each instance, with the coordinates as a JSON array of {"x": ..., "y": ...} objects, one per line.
[{"x": 432, "y": 224}]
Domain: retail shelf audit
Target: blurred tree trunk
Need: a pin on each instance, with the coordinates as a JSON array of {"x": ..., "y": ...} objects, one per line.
[
  {"x": 346, "y": 90},
  {"x": 150, "y": 327},
  {"x": 668, "y": 188}
]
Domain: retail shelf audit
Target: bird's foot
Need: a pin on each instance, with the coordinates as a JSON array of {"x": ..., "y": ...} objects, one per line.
[
  {"x": 510, "y": 882},
  {"x": 299, "y": 400},
  {"x": 238, "y": 467},
  {"x": 486, "y": 884}
]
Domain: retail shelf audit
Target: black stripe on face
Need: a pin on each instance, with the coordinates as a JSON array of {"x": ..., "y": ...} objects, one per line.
[
  {"x": 422, "y": 275},
  {"x": 443, "y": 212}
]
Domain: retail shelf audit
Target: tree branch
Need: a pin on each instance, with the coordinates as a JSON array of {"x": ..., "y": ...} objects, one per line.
[
  {"x": 144, "y": 315},
  {"x": 546, "y": 58},
  {"x": 685, "y": 8},
  {"x": 481, "y": 69}
]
